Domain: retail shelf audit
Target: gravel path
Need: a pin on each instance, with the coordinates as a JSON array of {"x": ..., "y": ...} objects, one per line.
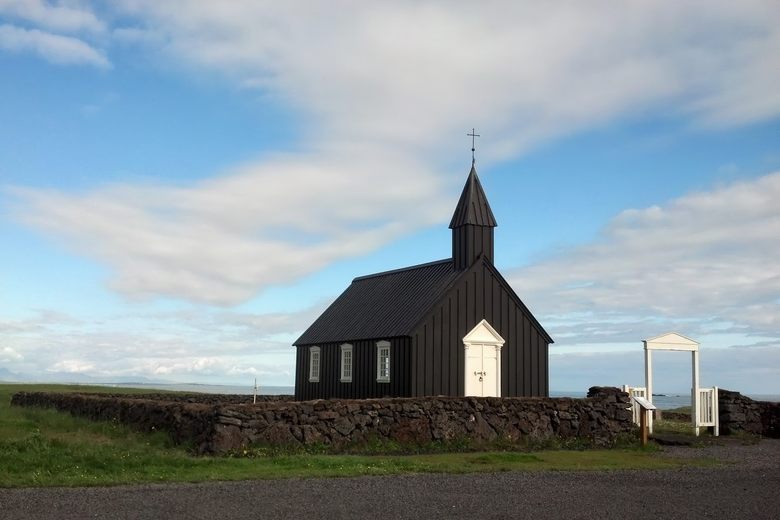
[{"x": 746, "y": 488}]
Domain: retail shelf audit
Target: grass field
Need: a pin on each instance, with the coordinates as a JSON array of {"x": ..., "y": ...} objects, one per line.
[{"x": 41, "y": 447}]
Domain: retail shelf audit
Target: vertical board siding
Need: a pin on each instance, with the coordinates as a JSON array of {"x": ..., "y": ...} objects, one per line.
[
  {"x": 469, "y": 242},
  {"x": 526, "y": 356},
  {"x": 450, "y": 377},
  {"x": 508, "y": 384},
  {"x": 545, "y": 357},
  {"x": 428, "y": 348},
  {"x": 437, "y": 357},
  {"x": 480, "y": 294},
  {"x": 364, "y": 383}
]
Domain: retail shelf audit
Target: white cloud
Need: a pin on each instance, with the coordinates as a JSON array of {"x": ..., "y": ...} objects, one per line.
[
  {"x": 59, "y": 16},
  {"x": 705, "y": 261},
  {"x": 753, "y": 371},
  {"x": 193, "y": 344},
  {"x": 72, "y": 366},
  {"x": 414, "y": 74},
  {"x": 61, "y": 50},
  {"x": 9, "y": 355},
  {"x": 383, "y": 87},
  {"x": 224, "y": 240}
]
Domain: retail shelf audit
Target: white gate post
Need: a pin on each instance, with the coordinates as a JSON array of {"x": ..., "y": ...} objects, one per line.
[
  {"x": 716, "y": 412},
  {"x": 695, "y": 391},
  {"x": 649, "y": 384}
]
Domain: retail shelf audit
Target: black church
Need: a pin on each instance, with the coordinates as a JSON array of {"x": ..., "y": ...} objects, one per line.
[{"x": 451, "y": 327}]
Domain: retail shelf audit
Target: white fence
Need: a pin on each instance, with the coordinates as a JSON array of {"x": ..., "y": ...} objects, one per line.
[
  {"x": 707, "y": 409},
  {"x": 635, "y": 391}
]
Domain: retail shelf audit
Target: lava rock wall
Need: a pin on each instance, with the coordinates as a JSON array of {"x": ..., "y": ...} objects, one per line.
[
  {"x": 738, "y": 413},
  {"x": 598, "y": 419}
]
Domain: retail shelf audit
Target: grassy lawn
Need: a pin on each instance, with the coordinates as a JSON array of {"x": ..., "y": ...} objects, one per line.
[
  {"x": 40, "y": 447},
  {"x": 676, "y": 427}
]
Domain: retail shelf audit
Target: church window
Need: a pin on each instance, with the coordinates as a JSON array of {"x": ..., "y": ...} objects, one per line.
[
  {"x": 346, "y": 363},
  {"x": 383, "y": 361},
  {"x": 314, "y": 364}
]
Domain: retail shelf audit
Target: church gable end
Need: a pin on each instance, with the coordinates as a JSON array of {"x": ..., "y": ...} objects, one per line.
[{"x": 437, "y": 341}]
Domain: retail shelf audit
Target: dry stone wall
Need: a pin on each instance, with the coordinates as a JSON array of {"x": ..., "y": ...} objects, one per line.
[
  {"x": 598, "y": 419},
  {"x": 738, "y": 414},
  {"x": 186, "y": 422}
]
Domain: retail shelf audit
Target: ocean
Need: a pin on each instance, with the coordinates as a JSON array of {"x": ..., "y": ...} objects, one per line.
[{"x": 671, "y": 401}]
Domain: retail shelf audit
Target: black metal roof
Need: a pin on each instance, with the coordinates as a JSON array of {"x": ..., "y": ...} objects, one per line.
[
  {"x": 396, "y": 300},
  {"x": 473, "y": 207}
]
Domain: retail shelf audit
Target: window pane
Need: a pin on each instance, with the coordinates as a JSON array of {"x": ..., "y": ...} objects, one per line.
[
  {"x": 346, "y": 363},
  {"x": 383, "y": 363},
  {"x": 314, "y": 365}
]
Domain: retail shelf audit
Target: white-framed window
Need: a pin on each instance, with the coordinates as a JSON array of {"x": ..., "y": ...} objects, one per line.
[
  {"x": 346, "y": 363},
  {"x": 383, "y": 361},
  {"x": 314, "y": 364}
]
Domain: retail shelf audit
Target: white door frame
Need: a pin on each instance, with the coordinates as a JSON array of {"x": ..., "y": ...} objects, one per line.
[
  {"x": 483, "y": 335},
  {"x": 674, "y": 341}
]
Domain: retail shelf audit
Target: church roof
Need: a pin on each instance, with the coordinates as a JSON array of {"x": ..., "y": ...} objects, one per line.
[
  {"x": 473, "y": 207},
  {"x": 397, "y": 299}
]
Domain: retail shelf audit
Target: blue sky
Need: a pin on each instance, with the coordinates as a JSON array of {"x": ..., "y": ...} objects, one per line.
[{"x": 184, "y": 187}]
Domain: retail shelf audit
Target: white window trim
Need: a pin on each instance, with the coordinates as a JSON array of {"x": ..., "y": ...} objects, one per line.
[
  {"x": 314, "y": 351},
  {"x": 346, "y": 347},
  {"x": 380, "y": 345}
]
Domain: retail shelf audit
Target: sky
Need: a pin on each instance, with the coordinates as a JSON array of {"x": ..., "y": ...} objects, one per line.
[{"x": 185, "y": 186}]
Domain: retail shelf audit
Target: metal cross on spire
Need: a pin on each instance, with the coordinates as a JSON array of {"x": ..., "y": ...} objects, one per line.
[{"x": 473, "y": 136}]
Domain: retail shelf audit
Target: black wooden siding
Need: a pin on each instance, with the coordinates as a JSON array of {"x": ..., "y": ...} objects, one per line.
[
  {"x": 468, "y": 242},
  {"x": 438, "y": 355},
  {"x": 364, "y": 383}
]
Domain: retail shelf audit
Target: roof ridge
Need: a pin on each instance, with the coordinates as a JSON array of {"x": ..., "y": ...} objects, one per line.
[{"x": 401, "y": 269}]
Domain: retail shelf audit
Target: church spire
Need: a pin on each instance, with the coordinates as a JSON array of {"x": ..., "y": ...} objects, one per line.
[
  {"x": 473, "y": 207},
  {"x": 472, "y": 224}
]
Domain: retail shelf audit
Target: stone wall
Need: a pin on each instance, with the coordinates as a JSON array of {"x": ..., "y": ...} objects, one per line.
[
  {"x": 740, "y": 414},
  {"x": 598, "y": 419},
  {"x": 186, "y": 422}
]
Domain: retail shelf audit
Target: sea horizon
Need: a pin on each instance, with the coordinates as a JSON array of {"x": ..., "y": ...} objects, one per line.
[{"x": 663, "y": 400}]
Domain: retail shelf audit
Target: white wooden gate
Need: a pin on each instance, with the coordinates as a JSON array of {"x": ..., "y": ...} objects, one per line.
[
  {"x": 635, "y": 391},
  {"x": 707, "y": 409},
  {"x": 704, "y": 411}
]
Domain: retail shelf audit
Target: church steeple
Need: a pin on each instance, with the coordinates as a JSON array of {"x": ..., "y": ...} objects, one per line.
[{"x": 472, "y": 224}]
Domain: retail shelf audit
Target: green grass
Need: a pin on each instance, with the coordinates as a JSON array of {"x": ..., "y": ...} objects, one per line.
[
  {"x": 676, "y": 427},
  {"x": 681, "y": 409},
  {"x": 41, "y": 447}
]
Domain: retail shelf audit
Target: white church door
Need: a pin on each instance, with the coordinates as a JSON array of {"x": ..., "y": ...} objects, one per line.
[{"x": 483, "y": 361}]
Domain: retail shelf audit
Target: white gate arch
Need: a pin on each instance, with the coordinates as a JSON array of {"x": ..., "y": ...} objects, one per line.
[{"x": 704, "y": 401}]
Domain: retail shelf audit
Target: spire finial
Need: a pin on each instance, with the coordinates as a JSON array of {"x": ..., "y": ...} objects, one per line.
[{"x": 473, "y": 136}]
